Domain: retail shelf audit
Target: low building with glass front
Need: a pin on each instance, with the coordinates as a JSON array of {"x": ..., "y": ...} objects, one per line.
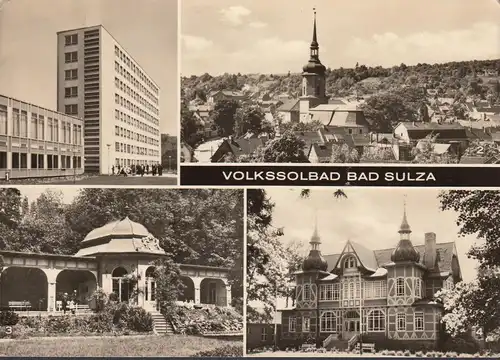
[
  {"x": 384, "y": 295},
  {"x": 38, "y": 142}
]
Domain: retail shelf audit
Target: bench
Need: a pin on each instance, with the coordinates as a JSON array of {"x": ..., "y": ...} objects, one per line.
[
  {"x": 20, "y": 305},
  {"x": 77, "y": 307},
  {"x": 367, "y": 347}
]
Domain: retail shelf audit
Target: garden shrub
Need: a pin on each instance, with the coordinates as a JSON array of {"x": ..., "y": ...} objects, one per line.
[
  {"x": 464, "y": 344},
  {"x": 8, "y": 318},
  {"x": 139, "y": 320},
  {"x": 225, "y": 351}
]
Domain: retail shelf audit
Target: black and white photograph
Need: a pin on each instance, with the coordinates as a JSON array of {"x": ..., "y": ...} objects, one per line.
[
  {"x": 89, "y": 92},
  {"x": 121, "y": 272},
  {"x": 372, "y": 272},
  {"x": 347, "y": 81}
]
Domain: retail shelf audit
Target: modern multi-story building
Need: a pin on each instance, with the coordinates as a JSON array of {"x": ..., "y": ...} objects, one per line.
[
  {"x": 37, "y": 142},
  {"x": 98, "y": 81},
  {"x": 385, "y": 295}
]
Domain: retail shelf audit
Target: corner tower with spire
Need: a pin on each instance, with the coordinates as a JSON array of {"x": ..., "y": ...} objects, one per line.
[
  {"x": 313, "y": 79},
  {"x": 315, "y": 261}
]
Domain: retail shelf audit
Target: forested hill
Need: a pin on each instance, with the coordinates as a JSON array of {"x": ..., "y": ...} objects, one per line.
[{"x": 361, "y": 79}]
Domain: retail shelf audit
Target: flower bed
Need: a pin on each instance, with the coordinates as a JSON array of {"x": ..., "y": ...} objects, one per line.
[
  {"x": 115, "y": 319},
  {"x": 206, "y": 321}
]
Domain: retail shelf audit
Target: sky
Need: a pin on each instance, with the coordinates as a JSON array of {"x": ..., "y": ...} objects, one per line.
[
  {"x": 370, "y": 217},
  {"x": 147, "y": 29},
  {"x": 251, "y": 36}
]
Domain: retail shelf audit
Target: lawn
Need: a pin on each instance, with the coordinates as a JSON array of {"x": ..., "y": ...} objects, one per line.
[{"x": 170, "y": 345}]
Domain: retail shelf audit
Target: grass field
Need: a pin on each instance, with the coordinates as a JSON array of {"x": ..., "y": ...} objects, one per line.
[{"x": 171, "y": 345}]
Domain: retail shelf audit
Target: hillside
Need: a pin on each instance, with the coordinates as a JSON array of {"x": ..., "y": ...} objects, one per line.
[{"x": 445, "y": 78}]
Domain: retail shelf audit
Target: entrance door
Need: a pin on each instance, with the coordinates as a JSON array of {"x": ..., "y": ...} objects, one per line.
[
  {"x": 150, "y": 294},
  {"x": 351, "y": 328}
]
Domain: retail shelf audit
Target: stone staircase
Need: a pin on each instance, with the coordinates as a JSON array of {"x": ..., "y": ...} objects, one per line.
[
  {"x": 333, "y": 341},
  {"x": 160, "y": 325}
]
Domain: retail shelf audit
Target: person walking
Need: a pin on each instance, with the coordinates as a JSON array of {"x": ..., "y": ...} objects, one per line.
[{"x": 64, "y": 303}]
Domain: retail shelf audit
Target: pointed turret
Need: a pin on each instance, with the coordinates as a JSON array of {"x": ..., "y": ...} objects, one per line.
[
  {"x": 315, "y": 261},
  {"x": 405, "y": 250}
]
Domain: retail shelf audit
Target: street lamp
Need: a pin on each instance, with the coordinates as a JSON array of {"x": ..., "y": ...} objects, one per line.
[{"x": 109, "y": 165}]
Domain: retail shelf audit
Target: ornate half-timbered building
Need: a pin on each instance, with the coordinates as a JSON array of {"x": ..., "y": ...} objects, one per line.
[{"x": 383, "y": 294}]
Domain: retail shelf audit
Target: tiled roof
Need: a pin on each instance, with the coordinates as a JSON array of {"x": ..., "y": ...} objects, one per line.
[
  {"x": 472, "y": 160},
  {"x": 373, "y": 259},
  {"x": 245, "y": 146},
  {"x": 348, "y": 118},
  {"x": 290, "y": 105},
  {"x": 322, "y": 150},
  {"x": 421, "y": 126},
  {"x": 336, "y": 102}
]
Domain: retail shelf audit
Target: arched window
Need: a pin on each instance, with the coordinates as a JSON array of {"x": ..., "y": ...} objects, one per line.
[
  {"x": 150, "y": 289},
  {"x": 376, "y": 320},
  {"x": 349, "y": 262},
  {"x": 400, "y": 287},
  {"x": 328, "y": 322},
  {"x": 121, "y": 285}
]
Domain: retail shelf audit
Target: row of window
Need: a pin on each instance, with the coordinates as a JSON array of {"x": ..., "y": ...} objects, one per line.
[
  {"x": 135, "y": 95},
  {"x": 121, "y": 116},
  {"x": 120, "y": 100},
  {"x": 20, "y": 161},
  {"x": 372, "y": 290},
  {"x": 122, "y": 132},
  {"x": 136, "y": 70},
  {"x": 38, "y": 130},
  {"x": 71, "y": 40},
  {"x": 71, "y": 74},
  {"x": 375, "y": 322},
  {"x": 130, "y": 162},
  {"x": 137, "y": 150}
]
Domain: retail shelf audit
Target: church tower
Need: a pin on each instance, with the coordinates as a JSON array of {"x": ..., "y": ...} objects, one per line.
[{"x": 313, "y": 80}]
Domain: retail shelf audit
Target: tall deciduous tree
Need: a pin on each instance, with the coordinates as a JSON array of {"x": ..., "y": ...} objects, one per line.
[
  {"x": 425, "y": 153},
  {"x": 189, "y": 127},
  {"x": 286, "y": 149},
  {"x": 477, "y": 303},
  {"x": 168, "y": 284},
  {"x": 224, "y": 115},
  {"x": 248, "y": 118},
  {"x": 342, "y": 153}
]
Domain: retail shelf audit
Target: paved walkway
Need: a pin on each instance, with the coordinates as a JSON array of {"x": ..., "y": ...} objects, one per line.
[{"x": 166, "y": 179}]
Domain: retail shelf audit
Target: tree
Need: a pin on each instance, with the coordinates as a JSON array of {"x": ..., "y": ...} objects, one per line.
[
  {"x": 267, "y": 265},
  {"x": 44, "y": 228},
  {"x": 224, "y": 115},
  {"x": 476, "y": 304},
  {"x": 344, "y": 154},
  {"x": 189, "y": 127},
  {"x": 10, "y": 207},
  {"x": 377, "y": 154},
  {"x": 314, "y": 125},
  {"x": 168, "y": 284},
  {"x": 248, "y": 119},
  {"x": 286, "y": 149}
]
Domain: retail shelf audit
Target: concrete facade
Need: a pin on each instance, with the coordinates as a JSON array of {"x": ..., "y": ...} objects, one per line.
[
  {"x": 38, "y": 142},
  {"x": 99, "y": 81}
]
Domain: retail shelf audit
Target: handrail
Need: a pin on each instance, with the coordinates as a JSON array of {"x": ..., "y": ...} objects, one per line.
[
  {"x": 353, "y": 341},
  {"x": 329, "y": 339}
]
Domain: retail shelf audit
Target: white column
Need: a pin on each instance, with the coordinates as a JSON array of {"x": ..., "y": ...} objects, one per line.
[
  {"x": 197, "y": 289},
  {"x": 228, "y": 295},
  {"x": 51, "y": 291}
]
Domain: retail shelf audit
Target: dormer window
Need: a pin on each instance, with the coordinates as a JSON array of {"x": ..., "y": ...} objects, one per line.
[{"x": 349, "y": 262}]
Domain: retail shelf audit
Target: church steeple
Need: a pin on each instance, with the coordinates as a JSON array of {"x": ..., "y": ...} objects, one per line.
[
  {"x": 315, "y": 261},
  {"x": 314, "y": 65},
  {"x": 314, "y": 43}
]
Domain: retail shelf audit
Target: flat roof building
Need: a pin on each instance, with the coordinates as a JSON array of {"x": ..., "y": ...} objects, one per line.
[
  {"x": 38, "y": 142},
  {"x": 100, "y": 82}
]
